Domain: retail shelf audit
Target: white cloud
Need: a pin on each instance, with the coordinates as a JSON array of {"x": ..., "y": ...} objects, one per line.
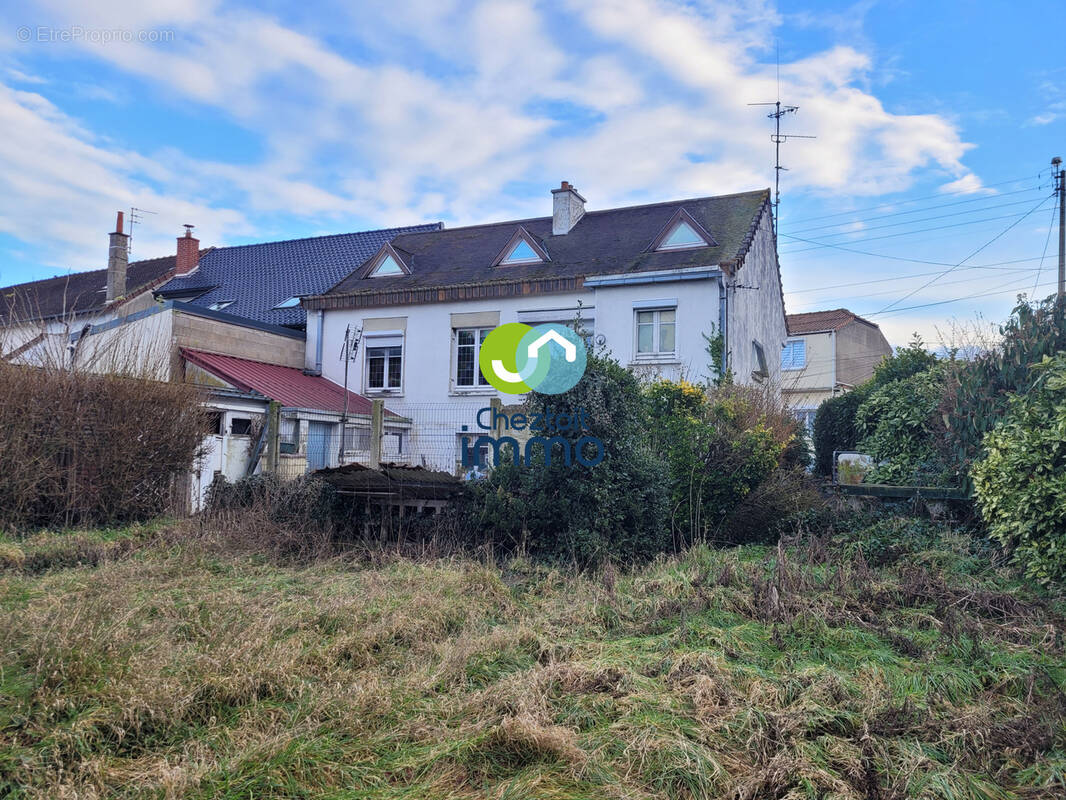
[
  {"x": 967, "y": 184},
  {"x": 447, "y": 104}
]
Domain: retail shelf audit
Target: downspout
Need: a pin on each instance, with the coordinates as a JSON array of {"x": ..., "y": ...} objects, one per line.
[
  {"x": 318, "y": 341},
  {"x": 833, "y": 347},
  {"x": 723, "y": 329}
]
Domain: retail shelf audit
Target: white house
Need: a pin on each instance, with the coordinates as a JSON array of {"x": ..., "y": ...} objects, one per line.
[{"x": 654, "y": 284}]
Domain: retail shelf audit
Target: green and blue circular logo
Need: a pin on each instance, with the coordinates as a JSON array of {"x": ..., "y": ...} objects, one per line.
[{"x": 517, "y": 358}]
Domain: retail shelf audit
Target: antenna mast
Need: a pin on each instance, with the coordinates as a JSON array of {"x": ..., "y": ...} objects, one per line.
[
  {"x": 777, "y": 138},
  {"x": 135, "y": 219}
]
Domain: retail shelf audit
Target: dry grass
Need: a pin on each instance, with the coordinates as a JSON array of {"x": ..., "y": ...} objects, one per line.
[{"x": 160, "y": 670}]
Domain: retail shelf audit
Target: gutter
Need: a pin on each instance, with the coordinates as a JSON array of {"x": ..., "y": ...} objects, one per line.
[{"x": 657, "y": 276}]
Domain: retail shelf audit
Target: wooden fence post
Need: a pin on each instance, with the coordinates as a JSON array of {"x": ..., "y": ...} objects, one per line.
[
  {"x": 377, "y": 431},
  {"x": 273, "y": 449}
]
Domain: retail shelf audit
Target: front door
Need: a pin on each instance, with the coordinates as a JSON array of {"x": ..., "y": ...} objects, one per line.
[{"x": 319, "y": 445}]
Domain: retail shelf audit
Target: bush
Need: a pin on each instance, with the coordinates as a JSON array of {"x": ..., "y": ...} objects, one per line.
[
  {"x": 978, "y": 397},
  {"x": 835, "y": 429},
  {"x": 83, "y": 449},
  {"x": 721, "y": 446},
  {"x": 900, "y": 424},
  {"x": 1021, "y": 480},
  {"x": 836, "y": 425},
  {"x": 616, "y": 509}
]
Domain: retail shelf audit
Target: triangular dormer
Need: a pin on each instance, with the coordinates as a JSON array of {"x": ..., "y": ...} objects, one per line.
[
  {"x": 387, "y": 263},
  {"x": 521, "y": 248},
  {"x": 682, "y": 232}
]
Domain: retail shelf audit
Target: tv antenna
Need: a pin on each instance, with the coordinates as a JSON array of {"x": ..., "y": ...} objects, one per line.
[
  {"x": 777, "y": 138},
  {"x": 135, "y": 219}
]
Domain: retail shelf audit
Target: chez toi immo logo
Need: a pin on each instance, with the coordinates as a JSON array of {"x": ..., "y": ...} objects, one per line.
[{"x": 548, "y": 359}]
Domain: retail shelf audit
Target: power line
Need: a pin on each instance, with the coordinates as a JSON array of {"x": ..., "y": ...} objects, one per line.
[
  {"x": 920, "y": 230},
  {"x": 971, "y": 255},
  {"x": 995, "y": 265},
  {"x": 920, "y": 210},
  {"x": 956, "y": 299},
  {"x": 916, "y": 221},
  {"x": 911, "y": 200},
  {"x": 1050, "y": 228}
]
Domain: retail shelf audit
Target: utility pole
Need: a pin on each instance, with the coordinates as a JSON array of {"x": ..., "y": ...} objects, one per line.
[
  {"x": 1060, "y": 187},
  {"x": 777, "y": 138}
]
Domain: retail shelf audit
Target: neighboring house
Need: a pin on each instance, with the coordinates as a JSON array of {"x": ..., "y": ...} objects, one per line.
[
  {"x": 654, "y": 284},
  {"x": 38, "y": 319},
  {"x": 827, "y": 353}
]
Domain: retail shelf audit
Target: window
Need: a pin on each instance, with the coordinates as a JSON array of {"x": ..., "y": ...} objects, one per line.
[
  {"x": 387, "y": 266},
  {"x": 356, "y": 439},
  {"x": 220, "y": 304},
  {"x": 288, "y": 439},
  {"x": 794, "y": 354},
  {"x": 384, "y": 367},
  {"x": 521, "y": 253},
  {"x": 806, "y": 416},
  {"x": 467, "y": 350},
  {"x": 392, "y": 442},
  {"x": 240, "y": 426},
  {"x": 292, "y": 302},
  {"x": 682, "y": 236},
  {"x": 213, "y": 423},
  {"x": 759, "y": 357},
  {"x": 656, "y": 332}
]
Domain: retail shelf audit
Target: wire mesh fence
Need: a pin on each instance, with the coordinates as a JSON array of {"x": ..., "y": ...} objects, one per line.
[{"x": 430, "y": 435}]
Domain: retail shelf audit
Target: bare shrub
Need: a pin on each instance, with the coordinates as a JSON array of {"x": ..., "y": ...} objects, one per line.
[{"x": 92, "y": 449}]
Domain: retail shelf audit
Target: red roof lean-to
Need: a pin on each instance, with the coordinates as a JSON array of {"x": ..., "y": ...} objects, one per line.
[{"x": 286, "y": 385}]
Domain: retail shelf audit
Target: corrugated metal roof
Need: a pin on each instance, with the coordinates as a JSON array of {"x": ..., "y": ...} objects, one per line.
[
  {"x": 286, "y": 385},
  {"x": 255, "y": 278},
  {"x": 819, "y": 321}
]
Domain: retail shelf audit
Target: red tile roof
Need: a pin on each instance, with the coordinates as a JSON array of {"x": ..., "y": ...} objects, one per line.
[
  {"x": 819, "y": 321},
  {"x": 286, "y": 385}
]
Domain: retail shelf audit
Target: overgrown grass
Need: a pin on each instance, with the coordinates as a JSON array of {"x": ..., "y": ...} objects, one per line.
[{"x": 168, "y": 670}]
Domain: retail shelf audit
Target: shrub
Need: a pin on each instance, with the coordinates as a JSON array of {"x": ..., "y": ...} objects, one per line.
[
  {"x": 721, "y": 446},
  {"x": 978, "y": 397},
  {"x": 836, "y": 425},
  {"x": 92, "y": 449},
  {"x": 616, "y": 509},
  {"x": 900, "y": 424},
  {"x": 1020, "y": 482},
  {"x": 835, "y": 429}
]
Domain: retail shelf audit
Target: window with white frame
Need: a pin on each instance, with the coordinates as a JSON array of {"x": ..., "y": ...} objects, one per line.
[
  {"x": 467, "y": 351},
  {"x": 656, "y": 331},
  {"x": 384, "y": 362},
  {"x": 356, "y": 438},
  {"x": 794, "y": 354}
]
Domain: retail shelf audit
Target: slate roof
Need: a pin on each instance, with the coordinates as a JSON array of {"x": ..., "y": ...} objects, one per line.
[
  {"x": 286, "y": 385},
  {"x": 259, "y": 276},
  {"x": 822, "y": 321},
  {"x": 603, "y": 242},
  {"x": 79, "y": 292}
]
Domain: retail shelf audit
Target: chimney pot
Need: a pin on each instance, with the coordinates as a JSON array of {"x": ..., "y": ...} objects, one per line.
[
  {"x": 119, "y": 228},
  {"x": 188, "y": 252},
  {"x": 568, "y": 207}
]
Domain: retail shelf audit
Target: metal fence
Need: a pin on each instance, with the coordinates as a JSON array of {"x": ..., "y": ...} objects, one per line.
[{"x": 431, "y": 435}]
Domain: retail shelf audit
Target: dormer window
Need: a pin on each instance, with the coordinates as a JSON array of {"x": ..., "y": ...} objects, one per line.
[
  {"x": 292, "y": 302},
  {"x": 522, "y": 248},
  {"x": 682, "y": 233},
  {"x": 387, "y": 263}
]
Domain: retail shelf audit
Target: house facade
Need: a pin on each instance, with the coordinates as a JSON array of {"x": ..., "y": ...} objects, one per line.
[
  {"x": 656, "y": 286},
  {"x": 827, "y": 353}
]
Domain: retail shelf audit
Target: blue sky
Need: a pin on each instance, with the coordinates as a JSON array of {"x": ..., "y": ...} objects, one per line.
[{"x": 278, "y": 121}]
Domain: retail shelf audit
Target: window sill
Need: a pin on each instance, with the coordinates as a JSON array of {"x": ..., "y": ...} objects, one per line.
[
  {"x": 793, "y": 369},
  {"x": 471, "y": 391},
  {"x": 384, "y": 394},
  {"x": 663, "y": 360}
]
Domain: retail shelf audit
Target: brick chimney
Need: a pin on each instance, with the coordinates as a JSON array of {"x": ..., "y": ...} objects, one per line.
[
  {"x": 188, "y": 253},
  {"x": 567, "y": 208},
  {"x": 118, "y": 256}
]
